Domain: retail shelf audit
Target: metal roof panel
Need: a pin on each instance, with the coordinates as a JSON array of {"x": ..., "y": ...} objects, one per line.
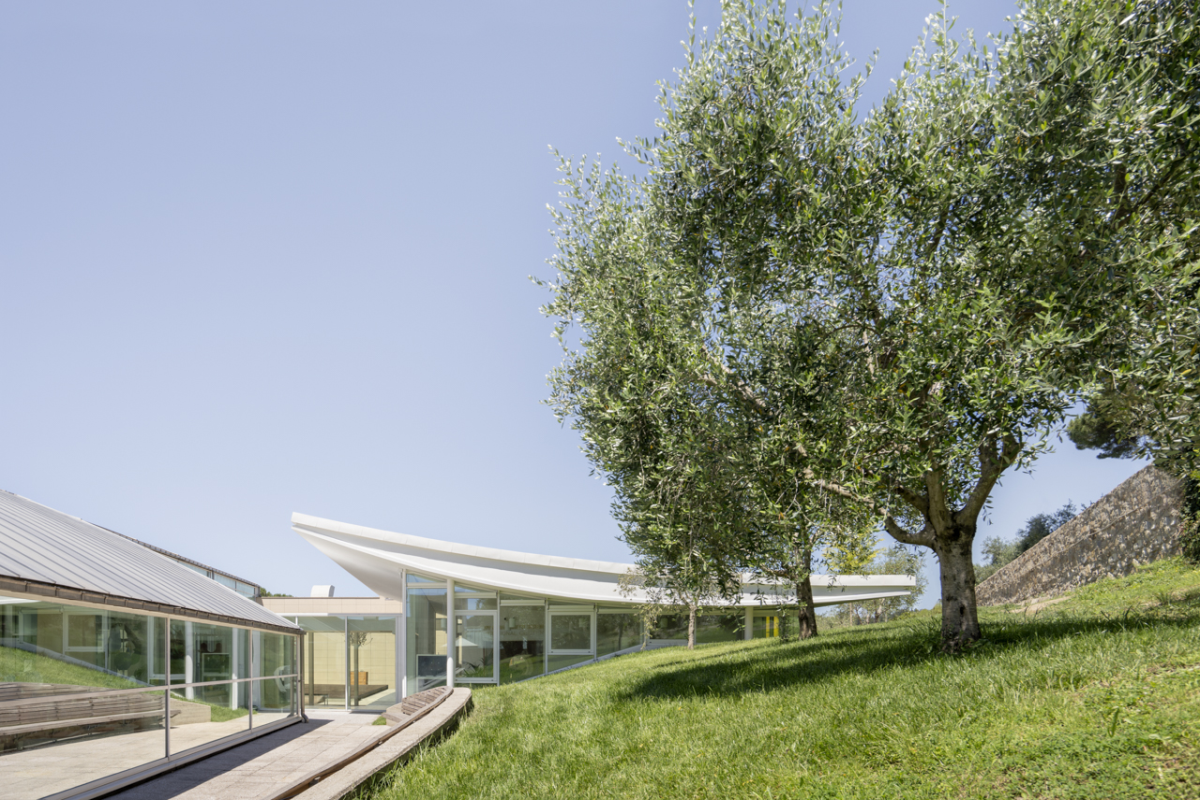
[{"x": 47, "y": 546}]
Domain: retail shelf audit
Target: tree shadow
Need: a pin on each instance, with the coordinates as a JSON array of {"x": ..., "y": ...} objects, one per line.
[{"x": 863, "y": 650}]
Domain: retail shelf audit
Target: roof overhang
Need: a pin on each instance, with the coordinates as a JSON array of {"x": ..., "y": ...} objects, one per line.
[{"x": 377, "y": 558}]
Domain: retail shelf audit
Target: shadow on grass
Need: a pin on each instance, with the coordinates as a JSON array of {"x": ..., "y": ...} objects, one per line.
[{"x": 862, "y": 650}]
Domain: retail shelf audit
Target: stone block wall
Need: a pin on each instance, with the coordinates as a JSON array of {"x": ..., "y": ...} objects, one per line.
[{"x": 1134, "y": 524}]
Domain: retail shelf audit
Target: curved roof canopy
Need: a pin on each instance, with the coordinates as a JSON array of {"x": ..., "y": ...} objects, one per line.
[
  {"x": 45, "y": 552},
  {"x": 377, "y": 557}
]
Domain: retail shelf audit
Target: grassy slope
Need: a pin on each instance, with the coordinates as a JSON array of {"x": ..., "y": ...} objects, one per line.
[
  {"x": 1097, "y": 697},
  {"x": 25, "y": 667}
]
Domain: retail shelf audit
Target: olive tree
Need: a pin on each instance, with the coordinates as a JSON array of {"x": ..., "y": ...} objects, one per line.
[{"x": 907, "y": 304}]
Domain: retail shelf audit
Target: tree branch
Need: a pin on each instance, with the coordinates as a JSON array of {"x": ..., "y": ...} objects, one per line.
[
  {"x": 1123, "y": 216},
  {"x": 915, "y": 500},
  {"x": 923, "y": 539},
  {"x": 991, "y": 466},
  {"x": 743, "y": 392}
]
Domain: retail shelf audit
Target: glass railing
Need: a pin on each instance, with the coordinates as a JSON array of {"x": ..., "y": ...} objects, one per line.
[{"x": 55, "y": 739}]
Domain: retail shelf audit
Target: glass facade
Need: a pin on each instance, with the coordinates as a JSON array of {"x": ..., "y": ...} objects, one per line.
[
  {"x": 426, "y": 634},
  {"x": 324, "y": 661},
  {"x": 770, "y": 625},
  {"x": 372, "y": 662},
  {"x": 617, "y": 631},
  {"x": 709, "y": 627},
  {"x": 522, "y": 639},
  {"x": 475, "y": 646},
  {"x": 84, "y": 691},
  {"x": 496, "y": 637}
]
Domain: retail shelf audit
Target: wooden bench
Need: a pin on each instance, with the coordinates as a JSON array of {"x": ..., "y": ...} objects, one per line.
[
  {"x": 403, "y": 712},
  {"x": 61, "y": 716},
  {"x": 338, "y": 690}
]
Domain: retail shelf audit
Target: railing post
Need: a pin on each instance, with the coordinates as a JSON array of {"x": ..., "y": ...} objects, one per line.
[
  {"x": 167, "y": 714},
  {"x": 451, "y": 630}
]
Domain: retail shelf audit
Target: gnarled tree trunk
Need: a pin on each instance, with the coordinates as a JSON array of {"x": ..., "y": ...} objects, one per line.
[
  {"x": 807, "y": 614},
  {"x": 960, "y": 619}
]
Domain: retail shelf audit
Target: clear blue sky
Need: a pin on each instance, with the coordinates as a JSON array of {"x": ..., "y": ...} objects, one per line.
[{"x": 270, "y": 257}]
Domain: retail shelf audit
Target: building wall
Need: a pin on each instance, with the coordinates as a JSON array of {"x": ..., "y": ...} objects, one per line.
[
  {"x": 376, "y": 656},
  {"x": 1134, "y": 524},
  {"x": 368, "y": 606}
]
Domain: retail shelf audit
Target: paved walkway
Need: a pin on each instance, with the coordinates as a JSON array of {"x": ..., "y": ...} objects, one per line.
[
  {"x": 264, "y": 766},
  {"x": 30, "y": 774}
]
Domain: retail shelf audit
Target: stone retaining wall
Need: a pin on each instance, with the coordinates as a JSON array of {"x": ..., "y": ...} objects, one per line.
[{"x": 1134, "y": 524}]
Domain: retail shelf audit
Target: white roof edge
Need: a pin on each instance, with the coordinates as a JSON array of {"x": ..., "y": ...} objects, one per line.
[
  {"x": 318, "y": 524},
  {"x": 441, "y": 546}
]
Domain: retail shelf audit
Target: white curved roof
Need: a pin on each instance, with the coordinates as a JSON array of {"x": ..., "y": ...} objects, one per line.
[{"x": 376, "y": 558}]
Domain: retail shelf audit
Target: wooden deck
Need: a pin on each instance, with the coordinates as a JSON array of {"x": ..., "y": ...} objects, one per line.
[{"x": 309, "y": 759}]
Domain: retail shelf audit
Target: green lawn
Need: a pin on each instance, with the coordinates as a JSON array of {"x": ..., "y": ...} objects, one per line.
[
  {"x": 20, "y": 666},
  {"x": 1097, "y": 697}
]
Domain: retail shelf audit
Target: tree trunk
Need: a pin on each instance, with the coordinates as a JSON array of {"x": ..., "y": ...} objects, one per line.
[
  {"x": 960, "y": 619},
  {"x": 691, "y": 627},
  {"x": 807, "y": 615}
]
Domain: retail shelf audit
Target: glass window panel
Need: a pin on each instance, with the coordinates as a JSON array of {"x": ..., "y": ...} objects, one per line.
[
  {"x": 709, "y": 627},
  {"x": 225, "y": 580},
  {"x": 179, "y": 648},
  {"x": 275, "y": 655},
  {"x": 62, "y": 741},
  {"x": 570, "y": 632},
  {"x": 522, "y": 642},
  {"x": 205, "y": 717},
  {"x": 425, "y": 609},
  {"x": 85, "y": 633},
  {"x": 470, "y": 598},
  {"x": 563, "y": 661},
  {"x": 244, "y": 589},
  {"x": 475, "y": 603},
  {"x": 615, "y": 632},
  {"x": 32, "y": 625},
  {"x": 412, "y": 577},
  {"x": 373, "y": 662},
  {"x": 324, "y": 661},
  {"x": 194, "y": 568},
  {"x": 56, "y": 652},
  {"x": 475, "y": 642},
  {"x": 767, "y": 627},
  {"x": 128, "y": 645}
]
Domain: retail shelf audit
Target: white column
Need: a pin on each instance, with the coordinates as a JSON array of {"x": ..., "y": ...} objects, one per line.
[
  {"x": 451, "y": 629},
  {"x": 189, "y": 660},
  {"x": 595, "y": 612},
  {"x": 402, "y": 638},
  {"x": 256, "y": 667},
  {"x": 233, "y": 659},
  {"x": 546, "y": 638},
  {"x": 346, "y": 666},
  {"x": 748, "y": 634},
  {"x": 150, "y": 649}
]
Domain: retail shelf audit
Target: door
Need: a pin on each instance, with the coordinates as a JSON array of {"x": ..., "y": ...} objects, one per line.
[{"x": 475, "y": 659}]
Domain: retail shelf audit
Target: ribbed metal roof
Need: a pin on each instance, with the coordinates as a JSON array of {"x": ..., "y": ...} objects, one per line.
[{"x": 55, "y": 554}]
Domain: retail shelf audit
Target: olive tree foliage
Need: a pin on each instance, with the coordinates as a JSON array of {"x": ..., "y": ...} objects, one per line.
[
  {"x": 905, "y": 304},
  {"x": 699, "y": 497},
  {"x": 841, "y": 279},
  {"x": 1108, "y": 96}
]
